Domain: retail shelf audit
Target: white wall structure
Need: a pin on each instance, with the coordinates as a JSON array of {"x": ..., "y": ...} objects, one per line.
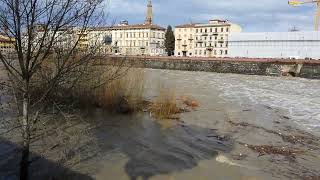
[{"x": 297, "y": 45}]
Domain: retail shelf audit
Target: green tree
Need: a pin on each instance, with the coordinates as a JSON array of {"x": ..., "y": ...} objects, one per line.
[{"x": 169, "y": 41}]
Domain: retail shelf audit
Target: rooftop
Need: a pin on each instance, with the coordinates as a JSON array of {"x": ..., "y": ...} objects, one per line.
[
  {"x": 212, "y": 22},
  {"x": 186, "y": 25},
  {"x": 131, "y": 27}
]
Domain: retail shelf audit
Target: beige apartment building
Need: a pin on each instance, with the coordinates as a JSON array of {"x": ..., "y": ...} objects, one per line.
[
  {"x": 125, "y": 39},
  {"x": 204, "y": 40},
  {"x": 6, "y": 44}
]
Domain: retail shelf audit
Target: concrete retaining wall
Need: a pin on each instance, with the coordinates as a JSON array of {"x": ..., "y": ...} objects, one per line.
[{"x": 267, "y": 67}]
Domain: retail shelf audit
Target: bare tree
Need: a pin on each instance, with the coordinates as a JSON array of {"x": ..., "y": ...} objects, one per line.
[{"x": 48, "y": 40}]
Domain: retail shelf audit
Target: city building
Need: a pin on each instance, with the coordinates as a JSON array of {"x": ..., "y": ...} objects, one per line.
[
  {"x": 293, "y": 45},
  {"x": 204, "y": 40},
  {"x": 126, "y": 39},
  {"x": 6, "y": 44}
]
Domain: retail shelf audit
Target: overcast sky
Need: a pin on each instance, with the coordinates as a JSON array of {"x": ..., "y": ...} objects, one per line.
[{"x": 252, "y": 15}]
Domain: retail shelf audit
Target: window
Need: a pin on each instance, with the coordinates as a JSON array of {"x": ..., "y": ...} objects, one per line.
[
  {"x": 227, "y": 30},
  {"x": 226, "y": 52},
  {"x": 179, "y": 53},
  {"x": 197, "y": 30},
  {"x": 216, "y": 29},
  {"x": 205, "y": 30},
  {"x": 210, "y": 29},
  {"x": 221, "y": 29},
  {"x": 195, "y": 52}
]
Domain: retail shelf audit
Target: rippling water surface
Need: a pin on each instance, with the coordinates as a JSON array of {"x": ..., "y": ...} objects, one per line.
[{"x": 300, "y": 98}]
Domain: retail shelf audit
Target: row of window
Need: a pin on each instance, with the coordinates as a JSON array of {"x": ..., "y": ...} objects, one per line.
[
  {"x": 212, "y": 44},
  {"x": 204, "y": 45},
  {"x": 221, "y": 37},
  {"x": 210, "y": 38},
  {"x": 135, "y": 43},
  {"x": 207, "y": 30},
  {"x": 6, "y": 47},
  {"x": 215, "y": 52},
  {"x": 139, "y": 35}
]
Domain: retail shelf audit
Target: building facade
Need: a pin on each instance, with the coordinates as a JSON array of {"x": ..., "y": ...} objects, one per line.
[
  {"x": 125, "y": 39},
  {"x": 204, "y": 40},
  {"x": 294, "y": 45},
  {"x": 6, "y": 44}
]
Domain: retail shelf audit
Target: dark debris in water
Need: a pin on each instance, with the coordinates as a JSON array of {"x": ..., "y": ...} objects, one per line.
[
  {"x": 301, "y": 138},
  {"x": 311, "y": 178},
  {"x": 274, "y": 150}
]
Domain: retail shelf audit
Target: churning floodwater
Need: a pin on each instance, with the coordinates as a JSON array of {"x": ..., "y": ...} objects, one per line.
[
  {"x": 300, "y": 98},
  {"x": 212, "y": 141}
]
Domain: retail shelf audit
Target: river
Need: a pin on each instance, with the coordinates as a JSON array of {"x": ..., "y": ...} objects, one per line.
[
  {"x": 284, "y": 105},
  {"x": 212, "y": 141}
]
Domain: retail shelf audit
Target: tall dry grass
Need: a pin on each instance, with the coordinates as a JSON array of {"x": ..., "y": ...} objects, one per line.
[
  {"x": 124, "y": 93},
  {"x": 164, "y": 106}
]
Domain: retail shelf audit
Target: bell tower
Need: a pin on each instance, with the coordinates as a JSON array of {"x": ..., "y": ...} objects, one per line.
[{"x": 149, "y": 16}]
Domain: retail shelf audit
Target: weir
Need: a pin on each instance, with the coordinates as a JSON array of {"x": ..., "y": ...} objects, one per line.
[{"x": 267, "y": 67}]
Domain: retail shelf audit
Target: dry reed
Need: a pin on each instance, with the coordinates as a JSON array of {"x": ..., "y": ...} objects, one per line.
[
  {"x": 165, "y": 105},
  {"x": 124, "y": 93}
]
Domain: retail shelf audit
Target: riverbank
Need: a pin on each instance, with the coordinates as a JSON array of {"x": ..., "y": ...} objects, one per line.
[
  {"x": 222, "y": 138},
  {"x": 268, "y": 67}
]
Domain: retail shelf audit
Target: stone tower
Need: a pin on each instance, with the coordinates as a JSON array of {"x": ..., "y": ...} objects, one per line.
[{"x": 149, "y": 16}]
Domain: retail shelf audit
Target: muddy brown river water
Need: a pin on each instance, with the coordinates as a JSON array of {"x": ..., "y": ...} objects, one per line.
[{"x": 235, "y": 113}]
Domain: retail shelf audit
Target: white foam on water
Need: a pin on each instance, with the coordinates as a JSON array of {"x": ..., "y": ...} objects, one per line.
[{"x": 300, "y": 97}]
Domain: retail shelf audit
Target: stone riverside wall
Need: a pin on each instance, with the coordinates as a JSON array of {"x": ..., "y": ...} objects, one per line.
[{"x": 267, "y": 67}]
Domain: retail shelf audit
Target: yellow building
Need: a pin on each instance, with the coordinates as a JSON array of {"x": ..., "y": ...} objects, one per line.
[
  {"x": 204, "y": 40},
  {"x": 6, "y": 44}
]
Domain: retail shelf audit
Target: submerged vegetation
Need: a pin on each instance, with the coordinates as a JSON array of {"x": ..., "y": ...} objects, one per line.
[{"x": 165, "y": 105}]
